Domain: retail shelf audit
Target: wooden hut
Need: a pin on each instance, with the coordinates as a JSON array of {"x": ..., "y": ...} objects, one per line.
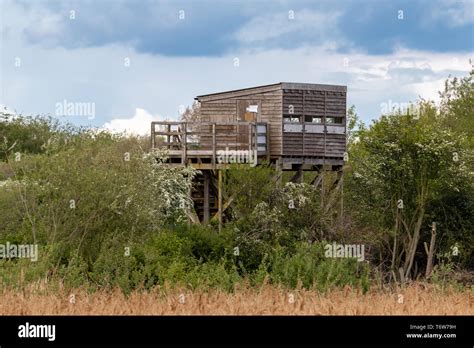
[
  {"x": 292, "y": 122},
  {"x": 294, "y": 126}
]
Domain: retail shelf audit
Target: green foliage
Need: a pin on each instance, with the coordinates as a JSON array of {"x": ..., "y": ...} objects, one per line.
[
  {"x": 105, "y": 212},
  {"x": 249, "y": 186},
  {"x": 27, "y": 134},
  {"x": 413, "y": 166},
  {"x": 95, "y": 187},
  {"x": 457, "y": 105},
  {"x": 309, "y": 268},
  {"x": 83, "y": 196}
]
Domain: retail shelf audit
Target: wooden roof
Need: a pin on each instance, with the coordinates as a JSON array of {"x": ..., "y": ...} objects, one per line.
[{"x": 268, "y": 88}]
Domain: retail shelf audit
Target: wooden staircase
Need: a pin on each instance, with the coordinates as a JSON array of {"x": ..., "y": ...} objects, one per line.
[{"x": 205, "y": 182}]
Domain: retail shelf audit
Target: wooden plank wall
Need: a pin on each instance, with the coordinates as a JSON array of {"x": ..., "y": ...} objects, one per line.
[
  {"x": 320, "y": 104},
  {"x": 336, "y": 104},
  {"x": 224, "y": 108},
  {"x": 230, "y": 137},
  {"x": 276, "y": 102}
]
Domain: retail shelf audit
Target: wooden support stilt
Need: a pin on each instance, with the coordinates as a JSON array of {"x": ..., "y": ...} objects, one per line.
[
  {"x": 189, "y": 211},
  {"x": 278, "y": 178},
  {"x": 336, "y": 188},
  {"x": 278, "y": 173},
  {"x": 206, "y": 197},
  {"x": 219, "y": 199},
  {"x": 224, "y": 208},
  {"x": 317, "y": 180},
  {"x": 298, "y": 177},
  {"x": 342, "y": 197},
  {"x": 322, "y": 188}
]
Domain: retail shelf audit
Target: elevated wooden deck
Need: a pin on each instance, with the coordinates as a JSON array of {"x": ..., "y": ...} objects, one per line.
[
  {"x": 211, "y": 145},
  {"x": 203, "y": 144}
]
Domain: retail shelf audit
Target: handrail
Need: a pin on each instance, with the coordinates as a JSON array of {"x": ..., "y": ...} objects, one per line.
[
  {"x": 207, "y": 123},
  {"x": 206, "y": 138}
]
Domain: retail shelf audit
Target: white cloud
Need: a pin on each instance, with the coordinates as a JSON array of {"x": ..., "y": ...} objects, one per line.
[
  {"x": 47, "y": 25},
  {"x": 429, "y": 90},
  {"x": 161, "y": 84},
  {"x": 139, "y": 124},
  {"x": 320, "y": 25},
  {"x": 454, "y": 13}
]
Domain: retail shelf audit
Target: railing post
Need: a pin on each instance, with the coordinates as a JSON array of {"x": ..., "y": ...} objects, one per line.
[
  {"x": 176, "y": 138},
  {"x": 267, "y": 142},
  {"x": 214, "y": 145},
  {"x": 152, "y": 135},
  {"x": 255, "y": 141},
  {"x": 183, "y": 143},
  {"x": 250, "y": 139}
]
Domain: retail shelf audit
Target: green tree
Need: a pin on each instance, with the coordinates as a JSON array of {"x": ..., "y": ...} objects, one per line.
[{"x": 399, "y": 165}]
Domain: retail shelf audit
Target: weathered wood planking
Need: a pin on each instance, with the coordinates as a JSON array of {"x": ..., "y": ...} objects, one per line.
[
  {"x": 223, "y": 107},
  {"x": 328, "y": 105},
  {"x": 302, "y": 100}
]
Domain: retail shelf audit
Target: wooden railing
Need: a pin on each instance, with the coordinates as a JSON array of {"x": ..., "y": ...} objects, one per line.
[{"x": 205, "y": 139}]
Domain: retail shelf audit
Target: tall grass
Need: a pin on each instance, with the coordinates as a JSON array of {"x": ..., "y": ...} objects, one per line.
[{"x": 416, "y": 299}]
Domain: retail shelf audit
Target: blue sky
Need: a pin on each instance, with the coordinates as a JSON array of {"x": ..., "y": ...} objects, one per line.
[{"x": 384, "y": 51}]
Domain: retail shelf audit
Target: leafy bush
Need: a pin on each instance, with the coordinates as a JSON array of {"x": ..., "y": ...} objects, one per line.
[
  {"x": 309, "y": 268},
  {"x": 106, "y": 212},
  {"x": 97, "y": 186}
]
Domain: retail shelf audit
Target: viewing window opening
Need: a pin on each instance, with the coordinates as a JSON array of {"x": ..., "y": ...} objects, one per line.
[
  {"x": 313, "y": 119},
  {"x": 291, "y": 119},
  {"x": 336, "y": 120}
]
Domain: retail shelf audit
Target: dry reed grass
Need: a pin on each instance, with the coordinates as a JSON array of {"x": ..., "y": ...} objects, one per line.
[{"x": 418, "y": 299}]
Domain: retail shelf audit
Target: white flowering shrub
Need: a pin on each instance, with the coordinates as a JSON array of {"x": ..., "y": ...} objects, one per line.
[{"x": 86, "y": 192}]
